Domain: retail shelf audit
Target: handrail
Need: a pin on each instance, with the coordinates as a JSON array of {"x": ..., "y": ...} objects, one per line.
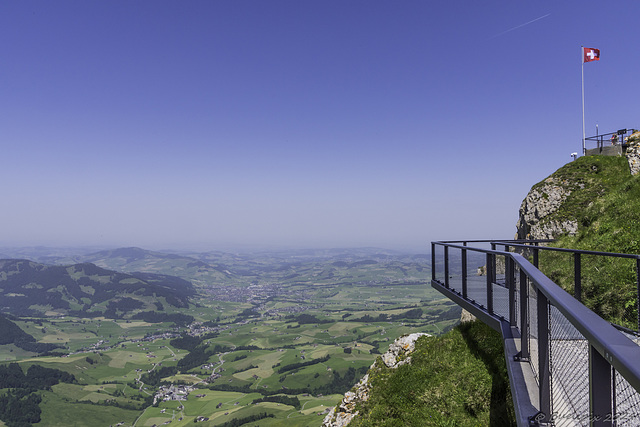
[
  {"x": 578, "y": 267},
  {"x": 619, "y": 350},
  {"x": 609, "y": 348},
  {"x": 534, "y": 246},
  {"x": 578, "y": 251},
  {"x": 615, "y": 137}
]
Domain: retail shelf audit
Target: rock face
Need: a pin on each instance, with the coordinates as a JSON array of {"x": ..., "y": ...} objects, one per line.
[
  {"x": 397, "y": 355},
  {"x": 633, "y": 153},
  {"x": 535, "y": 215},
  {"x": 466, "y": 317}
]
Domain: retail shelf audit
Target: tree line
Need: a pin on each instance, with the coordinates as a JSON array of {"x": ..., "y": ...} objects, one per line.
[{"x": 19, "y": 406}]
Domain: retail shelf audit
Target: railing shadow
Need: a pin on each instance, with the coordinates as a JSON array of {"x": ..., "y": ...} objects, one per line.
[{"x": 480, "y": 341}]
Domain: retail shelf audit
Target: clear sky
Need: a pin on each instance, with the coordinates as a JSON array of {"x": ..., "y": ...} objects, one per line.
[{"x": 209, "y": 124}]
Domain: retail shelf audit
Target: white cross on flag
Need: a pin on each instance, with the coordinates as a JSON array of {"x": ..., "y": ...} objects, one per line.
[{"x": 589, "y": 54}]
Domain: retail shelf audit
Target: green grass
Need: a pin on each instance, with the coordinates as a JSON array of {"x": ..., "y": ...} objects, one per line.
[
  {"x": 10, "y": 352},
  {"x": 56, "y": 411},
  {"x": 457, "y": 379},
  {"x": 608, "y": 215},
  {"x": 588, "y": 178}
]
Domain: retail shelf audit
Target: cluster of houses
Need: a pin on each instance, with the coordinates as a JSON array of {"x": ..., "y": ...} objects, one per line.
[{"x": 172, "y": 392}]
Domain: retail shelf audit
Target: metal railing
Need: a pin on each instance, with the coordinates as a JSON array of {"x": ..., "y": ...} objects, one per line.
[
  {"x": 576, "y": 367},
  {"x": 577, "y": 256},
  {"x": 608, "y": 139}
]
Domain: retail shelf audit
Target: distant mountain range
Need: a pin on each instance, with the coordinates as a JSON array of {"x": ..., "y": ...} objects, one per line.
[
  {"x": 215, "y": 268},
  {"x": 135, "y": 259},
  {"x": 31, "y": 288}
]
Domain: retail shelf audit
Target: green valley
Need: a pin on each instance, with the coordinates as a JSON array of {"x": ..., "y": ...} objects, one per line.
[{"x": 277, "y": 337}]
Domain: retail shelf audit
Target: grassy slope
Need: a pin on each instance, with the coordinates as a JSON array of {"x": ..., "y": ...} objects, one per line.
[
  {"x": 589, "y": 178},
  {"x": 457, "y": 379},
  {"x": 608, "y": 215}
]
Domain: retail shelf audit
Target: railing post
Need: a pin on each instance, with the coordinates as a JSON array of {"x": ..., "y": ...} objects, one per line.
[
  {"x": 464, "y": 272},
  {"x": 433, "y": 261},
  {"x": 446, "y": 266},
  {"x": 490, "y": 268},
  {"x": 493, "y": 263},
  {"x": 511, "y": 285},
  {"x": 577, "y": 277},
  {"x": 543, "y": 354},
  {"x": 614, "y": 404},
  {"x": 535, "y": 255},
  {"x": 600, "y": 409},
  {"x": 524, "y": 318}
]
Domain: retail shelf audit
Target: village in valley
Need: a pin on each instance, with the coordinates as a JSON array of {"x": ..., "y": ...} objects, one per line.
[{"x": 284, "y": 341}]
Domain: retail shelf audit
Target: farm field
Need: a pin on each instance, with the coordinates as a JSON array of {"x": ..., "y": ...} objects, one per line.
[{"x": 287, "y": 343}]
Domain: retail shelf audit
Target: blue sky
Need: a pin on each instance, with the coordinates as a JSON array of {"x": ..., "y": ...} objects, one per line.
[{"x": 211, "y": 124}]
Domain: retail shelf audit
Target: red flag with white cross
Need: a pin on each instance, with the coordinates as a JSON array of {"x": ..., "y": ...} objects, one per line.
[{"x": 590, "y": 54}]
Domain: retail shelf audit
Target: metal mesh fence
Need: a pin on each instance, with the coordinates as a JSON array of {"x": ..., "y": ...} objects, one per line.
[
  {"x": 533, "y": 332},
  {"x": 438, "y": 268},
  {"x": 500, "y": 269},
  {"x": 627, "y": 403},
  {"x": 516, "y": 305},
  {"x": 569, "y": 366},
  {"x": 501, "y": 301},
  {"x": 455, "y": 269},
  {"x": 477, "y": 289}
]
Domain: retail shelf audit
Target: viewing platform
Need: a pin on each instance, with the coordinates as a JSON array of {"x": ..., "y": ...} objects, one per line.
[
  {"x": 567, "y": 365},
  {"x": 608, "y": 144}
]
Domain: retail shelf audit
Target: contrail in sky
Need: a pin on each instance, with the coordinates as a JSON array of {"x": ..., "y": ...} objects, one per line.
[{"x": 519, "y": 26}]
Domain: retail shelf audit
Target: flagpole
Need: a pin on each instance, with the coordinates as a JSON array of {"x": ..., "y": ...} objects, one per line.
[{"x": 584, "y": 150}]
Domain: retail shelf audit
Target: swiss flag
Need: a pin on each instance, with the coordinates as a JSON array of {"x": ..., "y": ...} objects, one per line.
[{"x": 590, "y": 54}]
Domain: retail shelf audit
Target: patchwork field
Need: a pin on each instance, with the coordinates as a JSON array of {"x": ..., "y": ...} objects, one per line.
[{"x": 296, "y": 333}]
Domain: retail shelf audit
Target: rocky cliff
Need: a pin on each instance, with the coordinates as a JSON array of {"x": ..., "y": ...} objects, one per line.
[
  {"x": 633, "y": 153},
  {"x": 553, "y": 206},
  {"x": 536, "y": 219}
]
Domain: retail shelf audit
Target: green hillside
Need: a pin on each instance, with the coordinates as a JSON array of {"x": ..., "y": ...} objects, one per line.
[
  {"x": 30, "y": 288},
  {"x": 587, "y": 179},
  {"x": 457, "y": 379},
  {"x": 133, "y": 259},
  {"x": 607, "y": 211}
]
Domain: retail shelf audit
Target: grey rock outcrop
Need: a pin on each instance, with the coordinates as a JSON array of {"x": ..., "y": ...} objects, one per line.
[
  {"x": 633, "y": 153},
  {"x": 397, "y": 355},
  {"x": 466, "y": 317},
  {"x": 535, "y": 215}
]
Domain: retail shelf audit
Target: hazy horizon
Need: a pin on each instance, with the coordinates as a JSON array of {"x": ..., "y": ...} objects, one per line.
[{"x": 231, "y": 249}]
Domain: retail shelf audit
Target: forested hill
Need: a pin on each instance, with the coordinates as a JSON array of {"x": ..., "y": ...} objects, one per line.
[
  {"x": 29, "y": 288},
  {"x": 11, "y": 333}
]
